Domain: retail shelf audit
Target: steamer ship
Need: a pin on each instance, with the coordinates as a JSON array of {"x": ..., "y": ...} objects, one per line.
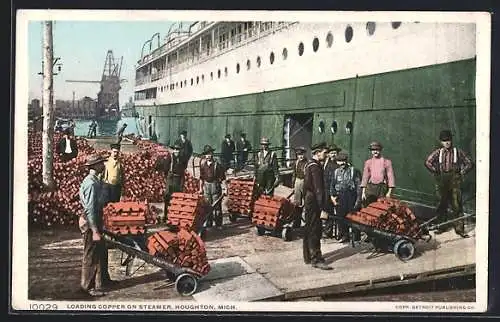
[{"x": 297, "y": 83}]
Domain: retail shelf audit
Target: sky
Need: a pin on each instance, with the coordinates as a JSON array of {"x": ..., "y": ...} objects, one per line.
[{"x": 82, "y": 47}]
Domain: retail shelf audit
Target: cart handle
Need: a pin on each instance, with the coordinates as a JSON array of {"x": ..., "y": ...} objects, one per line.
[{"x": 451, "y": 221}]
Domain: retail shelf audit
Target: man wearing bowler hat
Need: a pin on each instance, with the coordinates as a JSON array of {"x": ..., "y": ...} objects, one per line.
[
  {"x": 114, "y": 175},
  {"x": 378, "y": 176},
  {"x": 314, "y": 204},
  {"x": 329, "y": 167},
  {"x": 95, "y": 274},
  {"x": 243, "y": 147},
  {"x": 266, "y": 169},
  {"x": 449, "y": 165},
  {"x": 227, "y": 151},
  {"x": 212, "y": 173}
]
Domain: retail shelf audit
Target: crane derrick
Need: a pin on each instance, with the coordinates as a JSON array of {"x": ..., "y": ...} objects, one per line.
[{"x": 108, "y": 97}]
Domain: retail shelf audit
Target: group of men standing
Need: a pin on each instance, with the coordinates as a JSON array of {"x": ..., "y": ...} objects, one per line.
[{"x": 329, "y": 187}]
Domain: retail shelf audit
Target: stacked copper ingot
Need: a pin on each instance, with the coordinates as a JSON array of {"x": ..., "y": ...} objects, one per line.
[
  {"x": 269, "y": 212},
  {"x": 241, "y": 196},
  {"x": 183, "y": 248},
  {"x": 125, "y": 218},
  {"x": 389, "y": 215},
  {"x": 191, "y": 184},
  {"x": 187, "y": 210},
  {"x": 49, "y": 209}
]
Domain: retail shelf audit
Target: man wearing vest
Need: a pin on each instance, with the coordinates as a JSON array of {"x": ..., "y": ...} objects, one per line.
[
  {"x": 298, "y": 178},
  {"x": 344, "y": 193},
  {"x": 243, "y": 147},
  {"x": 378, "y": 176},
  {"x": 185, "y": 148},
  {"x": 266, "y": 169},
  {"x": 113, "y": 175},
  {"x": 314, "y": 204},
  {"x": 449, "y": 165},
  {"x": 329, "y": 168},
  {"x": 227, "y": 151},
  {"x": 173, "y": 172},
  {"x": 212, "y": 173}
]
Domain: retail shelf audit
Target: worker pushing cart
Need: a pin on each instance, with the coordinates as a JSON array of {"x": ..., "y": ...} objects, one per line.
[{"x": 212, "y": 173}]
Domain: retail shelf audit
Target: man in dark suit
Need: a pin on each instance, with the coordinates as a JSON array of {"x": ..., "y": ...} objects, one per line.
[
  {"x": 185, "y": 149},
  {"x": 66, "y": 147},
  {"x": 243, "y": 147},
  {"x": 227, "y": 151}
]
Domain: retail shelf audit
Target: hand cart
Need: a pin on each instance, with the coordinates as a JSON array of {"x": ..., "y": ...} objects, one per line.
[
  {"x": 403, "y": 246},
  {"x": 285, "y": 225},
  {"x": 186, "y": 279}
]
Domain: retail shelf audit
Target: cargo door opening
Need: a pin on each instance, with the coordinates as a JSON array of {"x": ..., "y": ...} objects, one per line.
[{"x": 298, "y": 131}]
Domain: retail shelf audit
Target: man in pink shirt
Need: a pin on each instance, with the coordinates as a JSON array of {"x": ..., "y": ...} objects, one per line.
[{"x": 378, "y": 176}]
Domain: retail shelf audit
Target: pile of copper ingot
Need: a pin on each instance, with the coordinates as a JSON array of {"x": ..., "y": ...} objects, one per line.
[
  {"x": 191, "y": 184},
  {"x": 183, "y": 248},
  {"x": 241, "y": 196},
  {"x": 272, "y": 211},
  {"x": 187, "y": 210},
  {"x": 388, "y": 215},
  {"x": 62, "y": 206}
]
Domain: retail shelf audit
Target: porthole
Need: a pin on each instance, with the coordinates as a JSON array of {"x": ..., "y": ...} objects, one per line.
[
  {"x": 258, "y": 61},
  {"x": 301, "y": 49},
  {"x": 237, "y": 68},
  {"x": 218, "y": 73},
  {"x": 315, "y": 44},
  {"x": 197, "y": 79},
  {"x": 334, "y": 127},
  {"x": 192, "y": 82},
  {"x": 177, "y": 84},
  {"x": 329, "y": 40},
  {"x": 185, "y": 83},
  {"x": 348, "y": 127},
  {"x": 248, "y": 64},
  {"x": 182, "y": 84},
  {"x": 321, "y": 126},
  {"x": 212, "y": 75},
  {"x": 348, "y": 34},
  {"x": 396, "y": 24},
  {"x": 370, "y": 28},
  {"x": 202, "y": 77},
  {"x": 284, "y": 53},
  {"x": 225, "y": 71},
  {"x": 271, "y": 58}
]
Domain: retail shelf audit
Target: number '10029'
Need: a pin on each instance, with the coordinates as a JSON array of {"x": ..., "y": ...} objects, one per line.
[{"x": 43, "y": 306}]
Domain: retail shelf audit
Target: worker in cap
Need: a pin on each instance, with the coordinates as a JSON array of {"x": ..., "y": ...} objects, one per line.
[
  {"x": 67, "y": 149},
  {"x": 95, "y": 275},
  {"x": 329, "y": 167},
  {"x": 344, "y": 193},
  {"x": 212, "y": 174},
  {"x": 266, "y": 169},
  {"x": 314, "y": 204},
  {"x": 114, "y": 175},
  {"x": 169, "y": 165},
  {"x": 378, "y": 175},
  {"x": 449, "y": 165},
  {"x": 243, "y": 148},
  {"x": 185, "y": 150},
  {"x": 227, "y": 151},
  {"x": 298, "y": 181}
]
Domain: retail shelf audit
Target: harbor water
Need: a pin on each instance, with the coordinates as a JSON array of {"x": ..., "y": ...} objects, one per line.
[{"x": 108, "y": 127}]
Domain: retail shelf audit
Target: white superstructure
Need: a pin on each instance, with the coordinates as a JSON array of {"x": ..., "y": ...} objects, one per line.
[{"x": 223, "y": 59}]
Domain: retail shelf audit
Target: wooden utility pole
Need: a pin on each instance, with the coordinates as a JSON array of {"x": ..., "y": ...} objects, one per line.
[{"x": 48, "y": 107}]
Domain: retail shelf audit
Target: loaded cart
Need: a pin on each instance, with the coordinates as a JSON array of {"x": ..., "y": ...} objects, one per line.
[
  {"x": 276, "y": 215},
  {"x": 186, "y": 279},
  {"x": 392, "y": 227},
  {"x": 241, "y": 193}
]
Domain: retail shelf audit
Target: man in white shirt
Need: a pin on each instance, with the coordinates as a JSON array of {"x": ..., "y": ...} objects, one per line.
[{"x": 67, "y": 147}]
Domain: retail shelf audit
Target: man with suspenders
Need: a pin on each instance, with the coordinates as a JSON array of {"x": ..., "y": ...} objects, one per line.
[
  {"x": 212, "y": 173},
  {"x": 449, "y": 165},
  {"x": 378, "y": 176},
  {"x": 314, "y": 204},
  {"x": 266, "y": 169}
]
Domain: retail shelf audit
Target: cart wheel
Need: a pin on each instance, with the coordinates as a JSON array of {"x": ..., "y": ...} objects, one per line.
[
  {"x": 297, "y": 222},
  {"x": 286, "y": 234},
  {"x": 260, "y": 230},
  {"x": 186, "y": 284},
  {"x": 233, "y": 218},
  {"x": 404, "y": 249}
]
